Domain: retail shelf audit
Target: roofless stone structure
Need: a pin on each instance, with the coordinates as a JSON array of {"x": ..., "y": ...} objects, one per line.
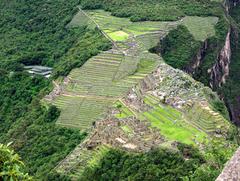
[{"x": 231, "y": 172}]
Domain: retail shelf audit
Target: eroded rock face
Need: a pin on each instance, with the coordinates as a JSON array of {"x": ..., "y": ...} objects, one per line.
[
  {"x": 197, "y": 59},
  {"x": 220, "y": 71}
]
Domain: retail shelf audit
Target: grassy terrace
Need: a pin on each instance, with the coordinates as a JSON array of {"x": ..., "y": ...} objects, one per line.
[
  {"x": 192, "y": 126},
  {"x": 172, "y": 123},
  {"x": 90, "y": 159}
]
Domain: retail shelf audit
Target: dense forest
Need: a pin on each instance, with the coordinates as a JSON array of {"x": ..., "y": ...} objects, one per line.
[
  {"x": 140, "y": 10},
  {"x": 188, "y": 163},
  {"x": 35, "y": 34},
  {"x": 179, "y": 47}
]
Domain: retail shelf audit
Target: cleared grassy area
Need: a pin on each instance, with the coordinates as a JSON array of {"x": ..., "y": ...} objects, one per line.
[
  {"x": 119, "y": 35},
  {"x": 201, "y": 27},
  {"x": 171, "y": 123}
]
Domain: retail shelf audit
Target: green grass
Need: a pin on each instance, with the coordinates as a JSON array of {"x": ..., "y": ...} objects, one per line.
[
  {"x": 173, "y": 129},
  {"x": 171, "y": 122},
  {"x": 201, "y": 27},
  {"x": 118, "y": 35},
  {"x": 127, "y": 129}
]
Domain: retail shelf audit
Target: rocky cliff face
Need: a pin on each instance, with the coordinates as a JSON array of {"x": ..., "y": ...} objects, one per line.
[
  {"x": 220, "y": 70},
  {"x": 197, "y": 59}
]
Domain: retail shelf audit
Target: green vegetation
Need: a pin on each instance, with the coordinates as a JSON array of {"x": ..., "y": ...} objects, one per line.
[
  {"x": 171, "y": 123},
  {"x": 119, "y": 29},
  {"x": 119, "y": 36},
  {"x": 90, "y": 159},
  {"x": 155, "y": 10},
  {"x": 215, "y": 44},
  {"x": 179, "y": 47},
  {"x": 201, "y": 27},
  {"x": 124, "y": 112},
  {"x": 37, "y": 128},
  {"x": 11, "y": 166},
  {"x": 84, "y": 48},
  {"x": 127, "y": 129},
  {"x": 36, "y": 34},
  {"x": 162, "y": 164},
  {"x": 230, "y": 89}
]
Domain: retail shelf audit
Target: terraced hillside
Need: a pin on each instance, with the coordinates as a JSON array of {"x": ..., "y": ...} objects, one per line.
[
  {"x": 90, "y": 90},
  {"x": 93, "y": 88},
  {"x": 135, "y": 100}
]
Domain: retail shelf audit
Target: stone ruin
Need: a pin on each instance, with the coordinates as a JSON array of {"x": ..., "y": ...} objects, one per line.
[
  {"x": 109, "y": 132},
  {"x": 58, "y": 89}
]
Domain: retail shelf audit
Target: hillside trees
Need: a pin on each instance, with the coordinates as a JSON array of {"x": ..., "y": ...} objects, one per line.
[
  {"x": 141, "y": 10},
  {"x": 36, "y": 34},
  {"x": 188, "y": 163},
  {"x": 179, "y": 47},
  {"x": 11, "y": 166}
]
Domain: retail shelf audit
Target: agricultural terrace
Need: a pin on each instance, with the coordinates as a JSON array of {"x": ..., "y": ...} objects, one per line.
[
  {"x": 107, "y": 77},
  {"x": 105, "y": 81}
]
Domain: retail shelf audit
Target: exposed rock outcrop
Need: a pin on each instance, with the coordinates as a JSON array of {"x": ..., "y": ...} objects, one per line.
[
  {"x": 220, "y": 71},
  {"x": 197, "y": 59}
]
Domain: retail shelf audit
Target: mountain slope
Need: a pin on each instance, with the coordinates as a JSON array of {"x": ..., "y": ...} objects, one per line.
[{"x": 111, "y": 105}]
